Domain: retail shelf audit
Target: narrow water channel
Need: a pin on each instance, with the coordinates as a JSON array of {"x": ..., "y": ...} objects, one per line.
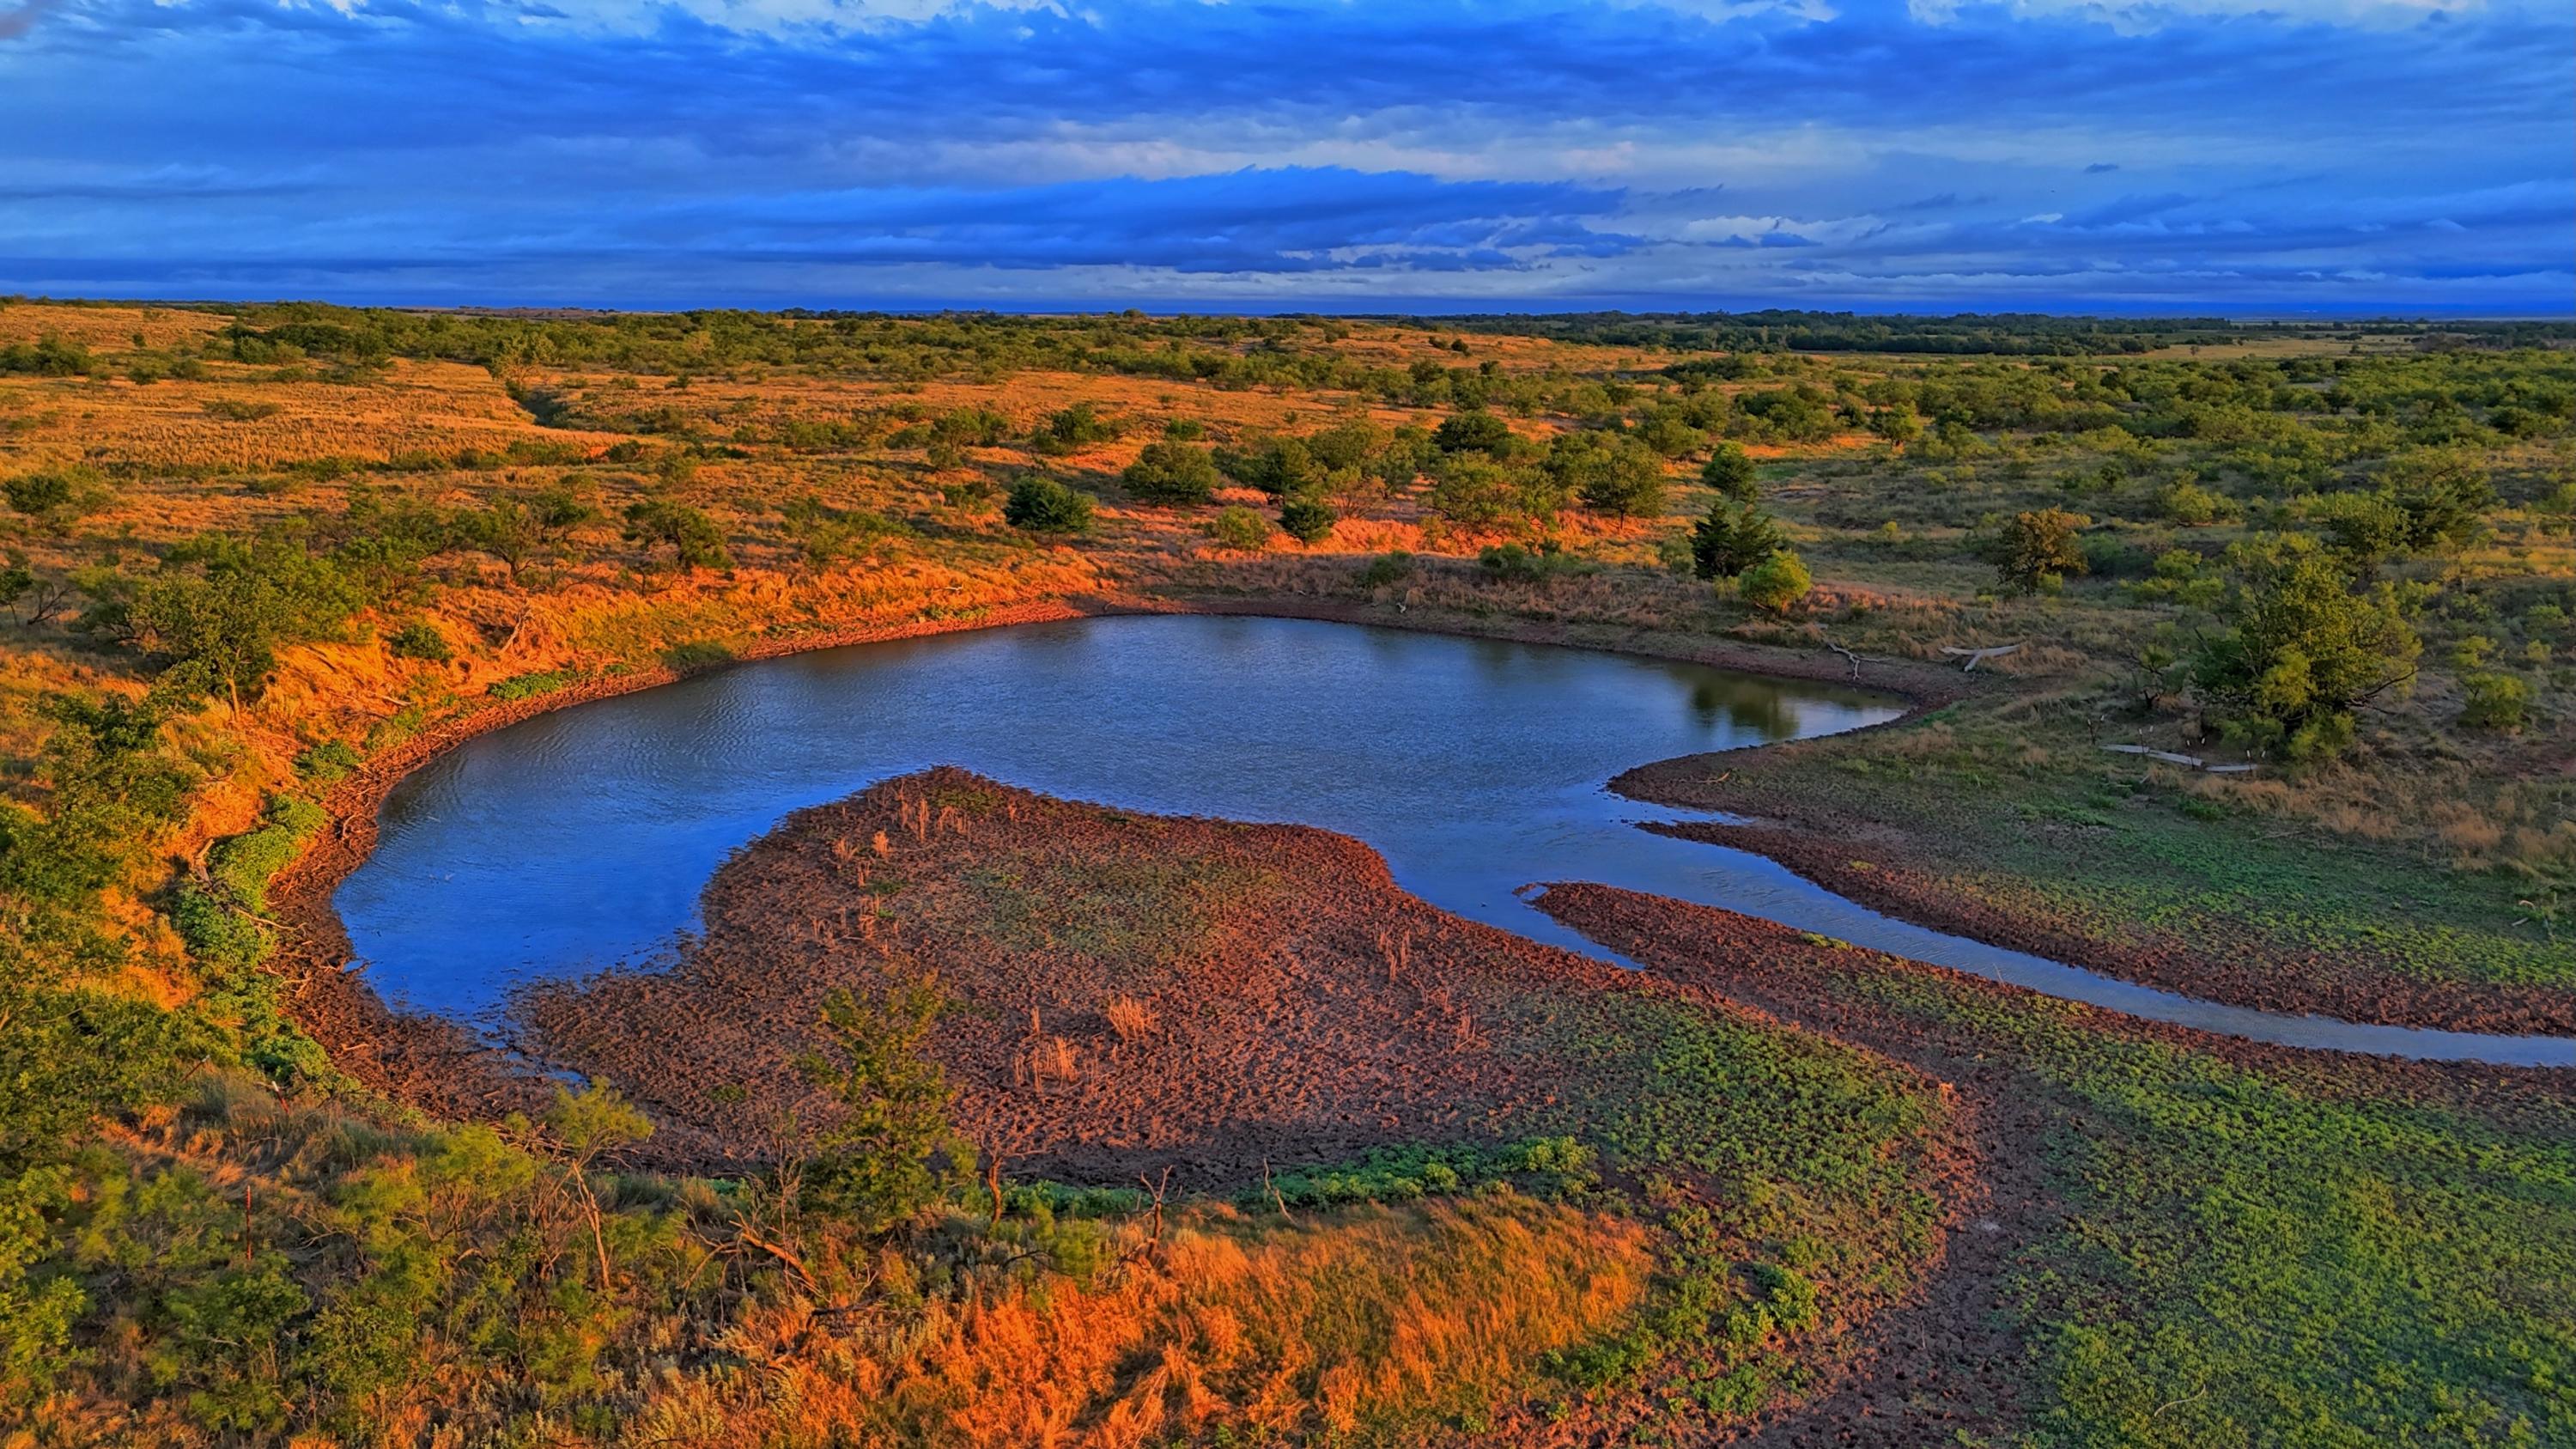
[{"x": 581, "y": 838}]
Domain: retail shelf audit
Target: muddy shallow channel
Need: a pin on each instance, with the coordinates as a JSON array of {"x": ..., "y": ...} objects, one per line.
[{"x": 581, "y": 838}]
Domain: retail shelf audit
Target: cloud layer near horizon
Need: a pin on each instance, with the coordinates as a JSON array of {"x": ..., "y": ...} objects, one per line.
[{"x": 2316, "y": 156}]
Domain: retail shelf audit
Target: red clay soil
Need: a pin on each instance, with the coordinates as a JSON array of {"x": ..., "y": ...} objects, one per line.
[
  {"x": 1941, "y": 1364},
  {"x": 1276, "y": 1034},
  {"x": 1821, "y": 843}
]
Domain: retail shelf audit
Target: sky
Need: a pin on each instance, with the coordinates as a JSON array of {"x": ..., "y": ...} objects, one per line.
[{"x": 2211, "y": 157}]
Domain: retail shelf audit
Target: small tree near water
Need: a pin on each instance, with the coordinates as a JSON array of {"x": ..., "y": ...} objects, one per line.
[
  {"x": 693, "y": 538},
  {"x": 895, "y": 1153},
  {"x": 2038, "y": 549},
  {"x": 2304, "y": 651},
  {"x": 1776, "y": 583},
  {"x": 1732, "y": 539}
]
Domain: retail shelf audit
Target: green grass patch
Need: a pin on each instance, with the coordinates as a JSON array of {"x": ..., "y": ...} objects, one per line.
[
  {"x": 529, "y": 686},
  {"x": 2256, "y": 1260}
]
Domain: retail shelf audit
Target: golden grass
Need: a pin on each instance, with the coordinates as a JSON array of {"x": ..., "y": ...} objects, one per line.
[
  {"x": 1373, "y": 1319},
  {"x": 417, "y": 407},
  {"x": 107, "y": 329},
  {"x": 1398, "y": 1321}
]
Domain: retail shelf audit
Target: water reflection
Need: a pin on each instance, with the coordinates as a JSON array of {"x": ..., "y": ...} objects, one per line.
[{"x": 1747, "y": 704}]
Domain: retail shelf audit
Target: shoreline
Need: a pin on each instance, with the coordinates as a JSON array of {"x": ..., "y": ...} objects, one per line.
[
  {"x": 411, "y": 1054},
  {"x": 442, "y": 1064}
]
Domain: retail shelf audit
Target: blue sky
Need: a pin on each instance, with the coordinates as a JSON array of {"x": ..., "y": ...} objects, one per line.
[{"x": 2206, "y": 156}]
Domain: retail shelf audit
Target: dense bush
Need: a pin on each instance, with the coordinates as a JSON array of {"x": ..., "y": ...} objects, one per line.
[
  {"x": 1040, "y": 504},
  {"x": 1307, "y": 519},
  {"x": 1240, "y": 529},
  {"x": 2194, "y": 506},
  {"x": 1613, "y": 473},
  {"x": 1277, "y": 466},
  {"x": 1776, "y": 583},
  {"x": 693, "y": 538},
  {"x": 2493, "y": 701},
  {"x": 1385, "y": 569},
  {"x": 1171, "y": 472},
  {"x": 48, "y": 356},
  {"x": 2036, "y": 550},
  {"x": 1515, "y": 563},
  {"x": 37, "y": 493},
  {"x": 2303, "y": 648},
  {"x": 1732, "y": 538},
  {"x": 1072, "y": 429},
  {"x": 215, "y": 614},
  {"x": 1730, "y": 470},
  {"x": 110, "y": 795},
  {"x": 420, "y": 640},
  {"x": 1473, "y": 491},
  {"x": 1475, "y": 431}
]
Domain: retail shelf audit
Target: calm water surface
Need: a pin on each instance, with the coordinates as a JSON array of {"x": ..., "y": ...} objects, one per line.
[{"x": 581, "y": 838}]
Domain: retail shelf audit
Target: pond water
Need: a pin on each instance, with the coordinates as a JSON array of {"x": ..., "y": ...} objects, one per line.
[{"x": 581, "y": 838}]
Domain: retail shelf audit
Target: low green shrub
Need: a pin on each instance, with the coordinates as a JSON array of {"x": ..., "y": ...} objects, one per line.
[
  {"x": 528, "y": 686},
  {"x": 1775, "y": 584},
  {"x": 1515, "y": 563},
  {"x": 1546, "y": 1166},
  {"x": 1043, "y": 505},
  {"x": 1171, "y": 473},
  {"x": 420, "y": 640},
  {"x": 2494, "y": 701},
  {"x": 1385, "y": 569},
  {"x": 1307, "y": 519},
  {"x": 694, "y": 655},
  {"x": 326, "y": 763},
  {"x": 1240, "y": 528}
]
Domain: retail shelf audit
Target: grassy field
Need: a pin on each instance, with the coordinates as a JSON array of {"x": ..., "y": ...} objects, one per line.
[
  {"x": 2213, "y": 1244},
  {"x": 251, "y": 559}
]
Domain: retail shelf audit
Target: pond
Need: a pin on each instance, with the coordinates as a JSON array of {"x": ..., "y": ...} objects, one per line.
[{"x": 581, "y": 838}]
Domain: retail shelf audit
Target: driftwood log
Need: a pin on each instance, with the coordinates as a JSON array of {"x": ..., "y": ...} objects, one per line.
[
  {"x": 2170, "y": 758},
  {"x": 1976, "y": 657}
]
